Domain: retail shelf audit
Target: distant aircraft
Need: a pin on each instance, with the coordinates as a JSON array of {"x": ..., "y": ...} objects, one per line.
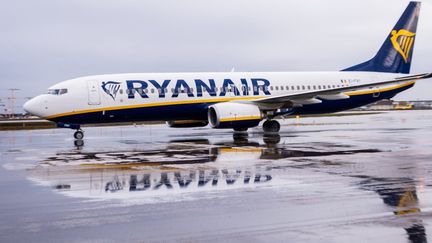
[{"x": 236, "y": 100}]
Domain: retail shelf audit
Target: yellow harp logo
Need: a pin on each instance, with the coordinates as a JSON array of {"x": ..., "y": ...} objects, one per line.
[{"x": 402, "y": 41}]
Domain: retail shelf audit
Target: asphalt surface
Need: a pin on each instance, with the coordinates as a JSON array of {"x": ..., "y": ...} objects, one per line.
[{"x": 363, "y": 178}]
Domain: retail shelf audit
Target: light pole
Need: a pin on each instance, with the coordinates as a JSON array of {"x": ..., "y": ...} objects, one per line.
[{"x": 12, "y": 98}]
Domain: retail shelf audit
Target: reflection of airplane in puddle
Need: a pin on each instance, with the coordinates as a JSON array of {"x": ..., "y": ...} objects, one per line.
[
  {"x": 401, "y": 195},
  {"x": 162, "y": 181},
  {"x": 183, "y": 180},
  {"x": 185, "y": 165},
  {"x": 198, "y": 152},
  {"x": 180, "y": 167}
]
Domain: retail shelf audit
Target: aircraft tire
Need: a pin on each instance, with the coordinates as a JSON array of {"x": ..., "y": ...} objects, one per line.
[
  {"x": 79, "y": 135},
  {"x": 271, "y": 126}
]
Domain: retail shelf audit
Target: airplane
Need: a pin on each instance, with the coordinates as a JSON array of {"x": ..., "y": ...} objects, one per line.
[{"x": 233, "y": 100}]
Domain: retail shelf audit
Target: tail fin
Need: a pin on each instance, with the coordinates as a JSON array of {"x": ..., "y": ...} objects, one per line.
[{"x": 395, "y": 54}]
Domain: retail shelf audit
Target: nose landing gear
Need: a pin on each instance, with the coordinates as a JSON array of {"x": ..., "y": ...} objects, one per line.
[
  {"x": 79, "y": 134},
  {"x": 271, "y": 126}
]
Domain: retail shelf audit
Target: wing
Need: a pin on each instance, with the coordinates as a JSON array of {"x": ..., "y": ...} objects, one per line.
[{"x": 314, "y": 97}]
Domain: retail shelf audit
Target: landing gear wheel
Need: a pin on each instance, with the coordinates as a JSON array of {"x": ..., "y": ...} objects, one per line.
[
  {"x": 272, "y": 126},
  {"x": 79, "y": 135},
  {"x": 79, "y": 143}
]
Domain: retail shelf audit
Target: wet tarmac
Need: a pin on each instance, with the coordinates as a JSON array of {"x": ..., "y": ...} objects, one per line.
[{"x": 361, "y": 178}]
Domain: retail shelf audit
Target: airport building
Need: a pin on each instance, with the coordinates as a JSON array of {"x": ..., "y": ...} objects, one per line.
[{"x": 399, "y": 105}]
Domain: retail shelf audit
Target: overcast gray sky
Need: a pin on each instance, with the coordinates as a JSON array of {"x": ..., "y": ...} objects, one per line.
[{"x": 45, "y": 42}]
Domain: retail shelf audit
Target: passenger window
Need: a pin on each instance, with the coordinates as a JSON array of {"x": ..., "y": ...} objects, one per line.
[
  {"x": 282, "y": 87},
  {"x": 121, "y": 91},
  {"x": 303, "y": 87},
  {"x": 314, "y": 87},
  {"x": 298, "y": 87},
  {"x": 277, "y": 87},
  {"x": 308, "y": 87},
  {"x": 152, "y": 91}
]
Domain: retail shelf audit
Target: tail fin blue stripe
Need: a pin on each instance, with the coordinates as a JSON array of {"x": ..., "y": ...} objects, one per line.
[{"x": 395, "y": 54}]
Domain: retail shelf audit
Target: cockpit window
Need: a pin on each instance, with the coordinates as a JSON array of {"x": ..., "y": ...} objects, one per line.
[{"x": 57, "y": 91}]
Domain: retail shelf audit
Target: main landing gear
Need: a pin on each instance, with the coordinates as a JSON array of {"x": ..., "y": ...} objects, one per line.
[{"x": 271, "y": 126}]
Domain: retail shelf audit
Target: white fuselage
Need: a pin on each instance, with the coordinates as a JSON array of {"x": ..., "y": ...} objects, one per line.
[{"x": 104, "y": 93}]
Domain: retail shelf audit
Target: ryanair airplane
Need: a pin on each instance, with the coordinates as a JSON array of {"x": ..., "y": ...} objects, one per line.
[{"x": 235, "y": 100}]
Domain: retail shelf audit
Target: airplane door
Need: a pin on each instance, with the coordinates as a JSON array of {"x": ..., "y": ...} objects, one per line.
[{"x": 93, "y": 92}]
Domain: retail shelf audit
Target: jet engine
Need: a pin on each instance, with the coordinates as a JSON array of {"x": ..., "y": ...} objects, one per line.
[{"x": 234, "y": 115}]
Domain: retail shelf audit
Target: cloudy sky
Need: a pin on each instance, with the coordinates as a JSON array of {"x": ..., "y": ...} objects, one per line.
[{"x": 45, "y": 42}]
